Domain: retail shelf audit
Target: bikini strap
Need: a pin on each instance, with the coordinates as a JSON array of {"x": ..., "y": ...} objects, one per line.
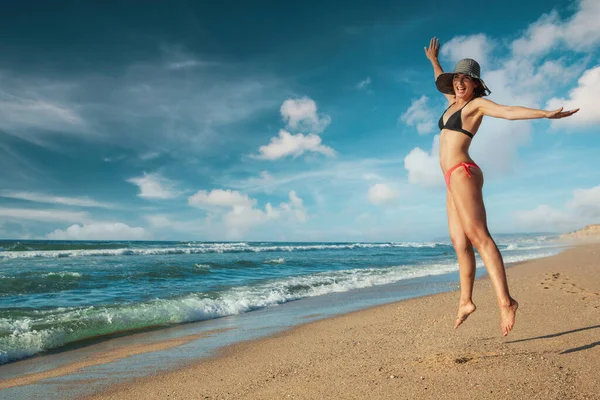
[
  {"x": 465, "y": 103},
  {"x": 449, "y": 107}
]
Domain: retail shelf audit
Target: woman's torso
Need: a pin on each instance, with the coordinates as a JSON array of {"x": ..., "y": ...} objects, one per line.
[{"x": 454, "y": 145}]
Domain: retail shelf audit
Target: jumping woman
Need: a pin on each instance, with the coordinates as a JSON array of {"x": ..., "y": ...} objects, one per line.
[{"x": 467, "y": 223}]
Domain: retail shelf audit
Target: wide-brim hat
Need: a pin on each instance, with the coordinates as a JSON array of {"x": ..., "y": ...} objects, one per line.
[{"x": 466, "y": 66}]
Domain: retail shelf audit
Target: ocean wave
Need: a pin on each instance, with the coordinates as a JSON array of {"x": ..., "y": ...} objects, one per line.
[
  {"x": 203, "y": 248},
  {"x": 25, "y": 332},
  {"x": 40, "y": 282},
  {"x": 31, "y": 332}
]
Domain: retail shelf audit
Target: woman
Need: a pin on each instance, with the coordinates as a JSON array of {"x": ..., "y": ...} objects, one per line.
[{"x": 464, "y": 90}]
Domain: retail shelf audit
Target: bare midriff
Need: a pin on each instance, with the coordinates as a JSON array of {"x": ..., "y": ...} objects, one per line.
[{"x": 454, "y": 149}]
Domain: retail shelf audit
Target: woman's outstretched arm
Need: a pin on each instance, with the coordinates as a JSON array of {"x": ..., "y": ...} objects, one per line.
[
  {"x": 431, "y": 53},
  {"x": 491, "y": 109}
]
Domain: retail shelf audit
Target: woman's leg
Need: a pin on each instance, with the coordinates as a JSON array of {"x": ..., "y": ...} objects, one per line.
[
  {"x": 466, "y": 261},
  {"x": 468, "y": 200}
]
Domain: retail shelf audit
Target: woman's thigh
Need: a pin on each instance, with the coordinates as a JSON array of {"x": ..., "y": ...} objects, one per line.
[
  {"x": 468, "y": 200},
  {"x": 457, "y": 233}
]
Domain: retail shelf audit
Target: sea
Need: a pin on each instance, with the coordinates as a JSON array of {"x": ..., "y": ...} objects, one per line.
[{"x": 57, "y": 293}]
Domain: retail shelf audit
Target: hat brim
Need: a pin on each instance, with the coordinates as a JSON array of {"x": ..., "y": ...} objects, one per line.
[{"x": 444, "y": 83}]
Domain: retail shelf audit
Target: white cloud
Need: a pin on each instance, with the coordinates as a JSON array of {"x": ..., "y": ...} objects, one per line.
[
  {"x": 242, "y": 214},
  {"x": 322, "y": 179},
  {"x": 495, "y": 148},
  {"x": 424, "y": 168},
  {"x": 221, "y": 198},
  {"x": 288, "y": 144},
  {"x": 382, "y": 194},
  {"x": 421, "y": 115},
  {"x": 294, "y": 209},
  {"x": 159, "y": 221},
  {"x": 99, "y": 231},
  {"x": 44, "y": 198},
  {"x": 586, "y": 203},
  {"x": 365, "y": 83},
  {"x": 43, "y": 215},
  {"x": 544, "y": 218},
  {"x": 584, "y": 96},
  {"x": 582, "y": 209},
  {"x": 581, "y": 32},
  {"x": 301, "y": 114},
  {"x": 242, "y": 218},
  {"x": 477, "y": 47},
  {"x": 36, "y": 110},
  {"x": 165, "y": 225},
  {"x": 540, "y": 36},
  {"x": 154, "y": 186}
]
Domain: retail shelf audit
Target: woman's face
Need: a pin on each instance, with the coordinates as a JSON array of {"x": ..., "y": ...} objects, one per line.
[{"x": 464, "y": 86}]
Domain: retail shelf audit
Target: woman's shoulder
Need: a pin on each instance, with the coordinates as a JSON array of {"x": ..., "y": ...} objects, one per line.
[{"x": 477, "y": 102}]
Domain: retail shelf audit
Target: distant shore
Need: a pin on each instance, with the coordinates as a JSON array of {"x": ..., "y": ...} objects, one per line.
[{"x": 410, "y": 350}]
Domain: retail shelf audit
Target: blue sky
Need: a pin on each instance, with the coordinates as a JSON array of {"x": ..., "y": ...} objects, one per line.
[{"x": 301, "y": 121}]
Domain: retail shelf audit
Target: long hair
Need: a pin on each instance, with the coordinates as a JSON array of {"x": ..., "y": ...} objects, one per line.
[{"x": 479, "y": 90}]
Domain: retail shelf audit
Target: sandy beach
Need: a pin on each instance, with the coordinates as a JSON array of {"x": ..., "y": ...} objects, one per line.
[{"x": 409, "y": 349}]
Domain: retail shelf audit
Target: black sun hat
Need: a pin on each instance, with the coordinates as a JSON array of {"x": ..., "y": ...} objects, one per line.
[{"x": 466, "y": 66}]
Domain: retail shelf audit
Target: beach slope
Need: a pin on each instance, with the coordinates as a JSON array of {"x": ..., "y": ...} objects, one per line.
[{"x": 409, "y": 349}]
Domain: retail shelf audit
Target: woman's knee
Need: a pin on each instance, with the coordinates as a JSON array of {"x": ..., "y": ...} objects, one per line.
[
  {"x": 478, "y": 235},
  {"x": 461, "y": 244}
]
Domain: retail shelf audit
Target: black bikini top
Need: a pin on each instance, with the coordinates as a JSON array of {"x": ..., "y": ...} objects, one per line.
[{"x": 454, "y": 123}]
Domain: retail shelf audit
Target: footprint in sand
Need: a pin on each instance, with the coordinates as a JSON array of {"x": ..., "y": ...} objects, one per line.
[{"x": 557, "y": 281}]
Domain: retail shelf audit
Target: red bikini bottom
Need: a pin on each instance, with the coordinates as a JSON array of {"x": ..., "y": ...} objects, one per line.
[{"x": 466, "y": 165}]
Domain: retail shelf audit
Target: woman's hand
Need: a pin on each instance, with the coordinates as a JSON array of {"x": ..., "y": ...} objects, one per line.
[
  {"x": 557, "y": 114},
  {"x": 434, "y": 48}
]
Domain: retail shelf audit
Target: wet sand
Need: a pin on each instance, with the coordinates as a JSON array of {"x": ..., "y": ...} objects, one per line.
[{"x": 410, "y": 350}]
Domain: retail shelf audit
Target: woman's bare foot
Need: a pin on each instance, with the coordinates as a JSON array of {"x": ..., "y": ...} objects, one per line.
[
  {"x": 464, "y": 310},
  {"x": 507, "y": 316}
]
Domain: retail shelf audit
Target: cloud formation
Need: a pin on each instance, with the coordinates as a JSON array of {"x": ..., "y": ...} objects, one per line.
[
  {"x": 584, "y": 96},
  {"x": 580, "y": 32},
  {"x": 423, "y": 167},
  {"x": 420, "y": 115},
  {"x": 583, "y": 207},
  {"x": 45, "y": 198},
  {"x": 382, "y": 194},
  {"x": 41, "y": 106},
  {"x": 238, "y": 212},
  {"x": 220, "y": 198},
  {"x": 287, "y": 144},
  {"x": 478, "y": 47},
  {"x": 42, "y": 215},
  {"x": 154, "y": 186},
  {"x": 301, "y": 114},
  {"x": 100, "y": 231}
]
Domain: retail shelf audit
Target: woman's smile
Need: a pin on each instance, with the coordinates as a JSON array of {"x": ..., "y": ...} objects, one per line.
[{"x": 463, "y": 85}]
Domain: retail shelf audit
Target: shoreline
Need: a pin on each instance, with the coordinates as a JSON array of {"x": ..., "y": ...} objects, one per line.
[
  {"x": 409, "y": 349},
  {"x": 232, "y": 352},
  {"x": 67, "y": 362}
]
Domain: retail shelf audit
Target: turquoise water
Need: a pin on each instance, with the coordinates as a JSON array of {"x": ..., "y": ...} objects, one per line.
[{"x": 54, "y": 293}]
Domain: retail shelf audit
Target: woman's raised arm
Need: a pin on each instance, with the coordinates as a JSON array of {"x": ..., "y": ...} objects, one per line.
[
  {"x": 491, "y": 109},
  {"x": 431, "y": 53}
]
